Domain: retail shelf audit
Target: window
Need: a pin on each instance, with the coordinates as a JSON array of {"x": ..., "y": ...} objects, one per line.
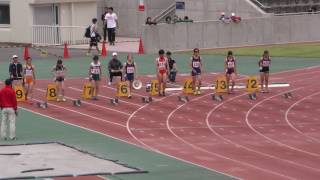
[{"x": 4, "y": 14}]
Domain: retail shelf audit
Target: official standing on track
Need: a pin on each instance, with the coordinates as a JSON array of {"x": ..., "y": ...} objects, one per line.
[
  {"x": 8, "y": 105},
  {"x": 16, "y": 70},
  {"x": 264, "y": 64}
]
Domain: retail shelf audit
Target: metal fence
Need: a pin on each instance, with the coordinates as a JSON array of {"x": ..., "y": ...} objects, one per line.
[{"x": 58, "y": 35}]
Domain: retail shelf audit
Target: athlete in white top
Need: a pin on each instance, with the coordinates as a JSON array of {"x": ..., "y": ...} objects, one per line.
[{"x": 95, "y": 76}]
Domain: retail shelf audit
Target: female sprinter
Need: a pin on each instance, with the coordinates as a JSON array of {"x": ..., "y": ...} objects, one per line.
[
  {"x": 130, "y": 69},
  {"x": 59, "y": 71},
  {"x": 162, "y": 70},
  {"x": 264, "y": 64},
  {"x": 196, "y": 66},
  {"x": 231, "y": 70},
  {"x": 29, "y": 78},
  {"x": 95, "y": 76}
]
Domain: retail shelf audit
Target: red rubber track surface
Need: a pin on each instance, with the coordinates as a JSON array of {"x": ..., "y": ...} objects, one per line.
[{"x": 270, "y": 138}]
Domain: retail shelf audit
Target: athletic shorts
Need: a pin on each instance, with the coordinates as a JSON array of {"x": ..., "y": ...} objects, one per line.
[
  {"x": 230, "y": 70},
  {"x": 28, "y": 80},
  {"x": 95, "y": 77},
  {"x": 93, "y": 41},
  {"x": 264, "y": 69},
  {"x": 130, "y": 77},
  {"x": 59, "y": 79},
  {"x": 162, "y": 72},
  {"x": 196, "y": 72}
]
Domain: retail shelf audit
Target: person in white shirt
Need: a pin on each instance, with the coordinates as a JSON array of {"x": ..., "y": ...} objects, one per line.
[
  {"x": 111, "y": 21},
  {"x": 94, "y": 36}
]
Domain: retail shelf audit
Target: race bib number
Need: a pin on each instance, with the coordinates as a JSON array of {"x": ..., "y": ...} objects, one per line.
[
  {"x": 87, "y": 91},
  {"x": 265, "y": 63},
  {"x": 230, "y": 64},
  {"x": 196, "y": 64},
  {"x": 52, "y": 93},
  {"x": 123, "y": 89},
  {"x": 252, "y": 84},
  {"x": 130, "y": 70},
  {"x": 162, "y": 65},
  {"x": 95, "y": 71},
  {"x": 187, "y": 87},
  {"x": 20, "y": 95},
  {"x": 221, "y": 85}
]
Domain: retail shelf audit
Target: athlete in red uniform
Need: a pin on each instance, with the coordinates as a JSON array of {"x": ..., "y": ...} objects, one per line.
[
  {"x": 264, "y": 64},
  {"x": 162, "y": 71},
  {"x": 231, "y": 70}
]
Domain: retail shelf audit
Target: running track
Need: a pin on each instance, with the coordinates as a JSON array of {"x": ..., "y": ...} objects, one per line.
[{"x": 270, "y": 138}]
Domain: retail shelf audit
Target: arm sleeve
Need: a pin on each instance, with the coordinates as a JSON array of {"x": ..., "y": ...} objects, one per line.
[
  {"x": 10, "y": 69},
  {"x": 14, "y": 101},
  {"x": 109, "y": 65}
]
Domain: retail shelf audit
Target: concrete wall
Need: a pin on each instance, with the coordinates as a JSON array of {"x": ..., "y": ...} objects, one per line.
[
  {"x": 76, "y": 13},
  {"x": 130, "y": 19},
  {"x": 17, "y": 31},
  {"x": 214, "y": 34},
  {"x": 201, "y": 10}
]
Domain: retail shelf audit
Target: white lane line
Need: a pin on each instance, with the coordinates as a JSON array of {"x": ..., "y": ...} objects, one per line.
[
  {"x": 291, "y": 125},
  {"x": 270, "y": 139},
  {"x": 211, "y": 128},
  {"x": 216, "y": 154},
  {"x": 156, "y": 150},
  {"x": 106, "y": 97},
  {"x": 83, "y": 114},
  {"x": 86, "y": 102}
]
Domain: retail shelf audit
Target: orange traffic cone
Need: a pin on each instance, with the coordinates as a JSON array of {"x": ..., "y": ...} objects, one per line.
[
  {"x": 26, "y": 53},
  {"x": 65, "y": 52},
  {"x": 104, "y": 49},
  {"x": 141, "y": 49}
]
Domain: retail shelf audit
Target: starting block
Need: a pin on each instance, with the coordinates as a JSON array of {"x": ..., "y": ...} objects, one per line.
[
  {"x": 288, "y": 95},
  {"x": 184, "y": 99},
  {"x": 114, "y": 101},
  {"x": 252, "y": 96},
  {"x": 217, "y": 97},
  {"x": 42, "y": 105},
  {"x": 146, "y": 99},
  {"x": 77, "y": 103}
]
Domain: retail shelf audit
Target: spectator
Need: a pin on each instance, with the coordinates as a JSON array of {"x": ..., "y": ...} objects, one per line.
[
  {"x": 115, "y": 68},
  {"x": 8, "y": 105},
  {"x": 172, "y": 67},
  {"x": 94, "y": 36},
  {"x": 223, "y": 18},
  {"x": 16, "y": 70},
  {"x": 234, "y": 18},
  {"x": 111, "y": 20},
  {"x": 150, "y": 22},
  {"x": 168, "y": 19},
  {"x": 104, "y": 24}
]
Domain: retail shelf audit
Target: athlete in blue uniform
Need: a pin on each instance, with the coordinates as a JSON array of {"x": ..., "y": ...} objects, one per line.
[
  {"x": 196, "y": 67},
  {"x": 264, "y": 64},
  {"x": 130, "y": 69},
  {"x": 231, "y": 70}
]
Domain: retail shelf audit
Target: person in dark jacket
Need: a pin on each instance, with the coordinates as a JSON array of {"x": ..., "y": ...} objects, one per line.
[
  {"x": 115, "y": 67},
  {"x": 172, "y": 67},
  {"x": 8, "y": 105},
  {"x": 16, "y": 70}
]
